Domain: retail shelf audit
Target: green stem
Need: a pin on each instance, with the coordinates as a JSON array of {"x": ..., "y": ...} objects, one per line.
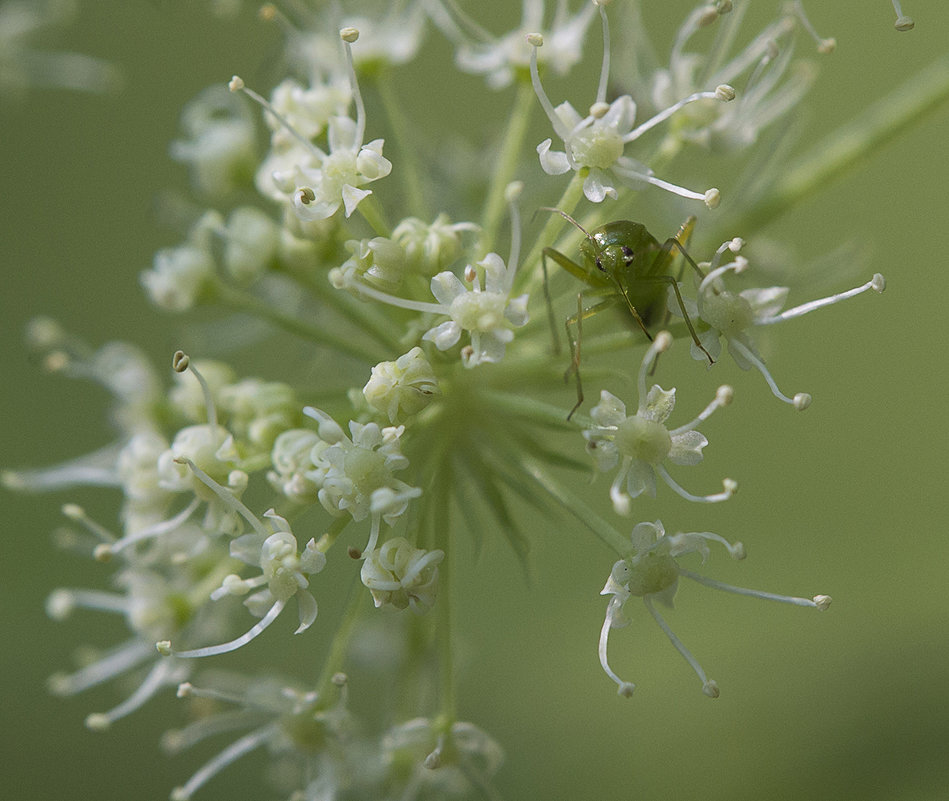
[
  {"x": 845, "y": 148},
  {"x": 572, "y": 503},
  {"x": 341, "y": 638},
  {"x": 362, "y": 313},
  {"x": 411, "y": 168},
  {"x": 248, "y": 304},
  {"x": 519, "y": 406},
  {"x": 529, "y": 276},
  {"x": 506, "y": 161},
  {"x": 448, "y": 701},
  {"x": 372, "y": 213}
]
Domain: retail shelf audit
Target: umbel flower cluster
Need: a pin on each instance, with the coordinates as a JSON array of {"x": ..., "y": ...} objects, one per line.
[{"x": 440, "y": 327}]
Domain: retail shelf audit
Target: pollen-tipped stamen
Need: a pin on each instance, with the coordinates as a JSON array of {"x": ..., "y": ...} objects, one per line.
[
  {"x": 824, "y": 45},
  {"x": 536, "y": 40},
  {"x": 116, "y": 661},
  {"x": 236, "y": 84},
  {"x": 877, "y": 284},
  {"x": 820, "y": 602},
  {"x": 723, "y": 397},
  {"x": 161, "y": 675},
  {"x": 723, "y": 94},
  {"x": 800, "y": 401},
  {"x": 729, "y": 488},
  {"x": 661, "y": 343},
  {"x": 903, "y": 23},
  {"x": 165, "y": 647},
  {"x": 709, "y": 687},
  {"x": 106, "y": 551}
]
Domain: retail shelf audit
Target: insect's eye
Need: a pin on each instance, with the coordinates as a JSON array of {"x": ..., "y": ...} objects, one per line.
[
  {"x": 599, "y": 264},
  {"x": 628, "y": 254}
]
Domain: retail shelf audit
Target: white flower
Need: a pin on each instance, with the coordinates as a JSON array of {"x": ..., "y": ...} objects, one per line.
[
  {"x": 595, "y": 144},
  {"x": 431, "y": 247},
  {"x": 651, "y": 572},
  {"x": 355, "y": 476},
  {"x": 502, "y": 58},
  {"x": 487, "y": 313},
  {"x": 402, "y": 575},
  {"x": 484, "y": 309},
  {"x": 446, "y": 763},
  {"x": 402, "y": 388},
  {"x": 181, "y": 275},
  {"x": 337, "y": 177},
  {"x": 219, "y": 145},
  {"x": 731, "y": 315},
  {"x": 641, "y": 443},
  {"x": 283, "y": 574},
  {"x": 291, "y": 457}
]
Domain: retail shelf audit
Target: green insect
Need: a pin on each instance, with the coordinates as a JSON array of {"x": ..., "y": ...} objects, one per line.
[{"x": 626, "y": 266}]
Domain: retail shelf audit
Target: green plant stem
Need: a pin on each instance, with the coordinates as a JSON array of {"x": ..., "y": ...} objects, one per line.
[
  {"x": 248, "y": 304},
  {"x": 572, "y": 503},
  {"x": 372, "y": 213},
  {"x": 530, "y": 276},
  {"x": 363, "y": 314},
  {"x": 850, "y": 144},
  {"x": 344, "y": 632},
  {"x": 506, "y": 164},
  {"x": 410, "y": 168}
]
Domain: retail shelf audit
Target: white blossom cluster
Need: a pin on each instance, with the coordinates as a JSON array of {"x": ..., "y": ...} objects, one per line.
[{"x": 242, "y": 495}]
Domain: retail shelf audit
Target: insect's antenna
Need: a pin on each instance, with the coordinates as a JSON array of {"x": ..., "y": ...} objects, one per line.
[{"x": 573, "y": 222}]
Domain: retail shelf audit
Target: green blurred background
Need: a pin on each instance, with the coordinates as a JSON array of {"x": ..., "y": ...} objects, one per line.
[{"x": 848, "y": 499}]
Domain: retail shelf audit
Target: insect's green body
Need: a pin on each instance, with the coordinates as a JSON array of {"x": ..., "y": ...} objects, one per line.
[
  {"x": 624, "y": 264},
  {"x": 620, "y": 254}
]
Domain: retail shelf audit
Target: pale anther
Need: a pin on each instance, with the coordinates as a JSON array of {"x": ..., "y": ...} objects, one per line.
[
  {"x": 724, "y": 92},
  {"x": 535, "y": 39},
  {"x": 822, "y": 601},
  {"x": 180, "y": 361},
  {"x": 349, "y": 34},
  {"x": 712, "y": 198},
  {"x": 802, "y": 400},
  {"x": 236, "y": 84}
]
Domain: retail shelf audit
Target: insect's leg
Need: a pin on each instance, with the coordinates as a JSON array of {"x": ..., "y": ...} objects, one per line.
[
  {"x": 550, "y": 304},
  {"x": 668, "y": 279},
  {"x": 577, "y": 320}
]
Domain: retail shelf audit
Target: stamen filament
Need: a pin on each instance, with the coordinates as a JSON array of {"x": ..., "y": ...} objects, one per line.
[
  {"x": 877, "y": 284},
  {"x": 767, "y": 596},
  {"x": 226, "y": 496},
  {"x": 605, "y": 67},
  {"x": 149, "y": 532},
  {"x": 722, "y": 398},
  {"x": 800, "y": 401},
  {"x": 392, "y": 300},
  {"x": 710, "y": 688},
  {"x": 724, "y": 495},
  {"x": 663, "y": 115},
  {"x": 119, "y": 660},
  {"x": 624, "y": 688},
  {"x": 236, "y": 84},
  {"x": 213, "y": 650},
  {"x": 660, "y": 344},
  {"x": 229, "y": 755},
  {"x": 164, "y": 672},
  {"x": 536, "y": 40}
]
